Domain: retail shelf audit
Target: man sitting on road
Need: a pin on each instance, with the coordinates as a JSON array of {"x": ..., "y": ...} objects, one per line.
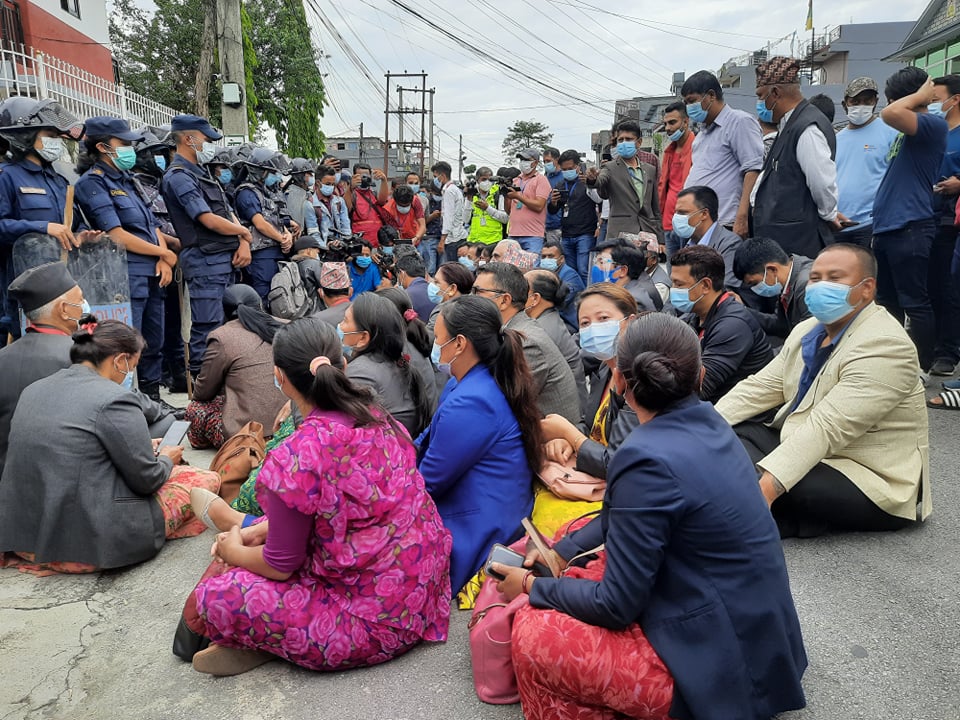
[{"x": 848, "y": 448}]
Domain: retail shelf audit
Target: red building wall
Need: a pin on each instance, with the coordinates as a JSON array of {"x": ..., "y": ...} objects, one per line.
[{"x": 50, "y": 35}]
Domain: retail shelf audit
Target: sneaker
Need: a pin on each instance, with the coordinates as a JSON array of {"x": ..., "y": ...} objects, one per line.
[
  {"x": 942, "y": 367},
  {"x": 178, "y": 413}
]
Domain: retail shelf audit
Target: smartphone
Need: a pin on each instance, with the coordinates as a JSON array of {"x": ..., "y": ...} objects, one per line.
[
  {"x": 175, "y": 435},
  {"x": 849, "y": 223},
  {"x": 505, "y": 556}
]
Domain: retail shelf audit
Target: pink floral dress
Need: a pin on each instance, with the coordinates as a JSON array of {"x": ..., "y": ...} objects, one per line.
[{"x": 376, "y": 578}]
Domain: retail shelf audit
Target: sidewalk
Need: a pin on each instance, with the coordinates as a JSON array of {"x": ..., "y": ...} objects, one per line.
[{"x": 880, "y": 615}]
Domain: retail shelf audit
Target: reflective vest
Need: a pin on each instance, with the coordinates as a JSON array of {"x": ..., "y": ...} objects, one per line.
[{"x": 483, "y": 228}]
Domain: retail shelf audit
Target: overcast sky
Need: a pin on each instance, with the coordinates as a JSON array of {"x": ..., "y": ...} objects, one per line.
[{"x": 596, "y": 57}]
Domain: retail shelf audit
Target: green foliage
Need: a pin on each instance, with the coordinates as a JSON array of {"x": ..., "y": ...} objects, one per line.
[
  {"x": 469, "y": 169},
  {"x": 250, "y": 63},
  {"x": 525, "y": 134}
]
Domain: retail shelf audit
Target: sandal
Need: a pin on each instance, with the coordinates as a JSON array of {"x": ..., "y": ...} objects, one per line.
[{"x": 949, "y": 400}]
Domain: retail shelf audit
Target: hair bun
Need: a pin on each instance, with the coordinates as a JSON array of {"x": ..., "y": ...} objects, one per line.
[{"x": 83, "y": 336}]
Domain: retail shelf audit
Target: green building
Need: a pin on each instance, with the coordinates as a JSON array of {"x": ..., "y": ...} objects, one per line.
[{"x": 934, "y": 42}]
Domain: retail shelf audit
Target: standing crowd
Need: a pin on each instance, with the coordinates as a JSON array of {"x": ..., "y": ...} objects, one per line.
[{"x": 705, "y": 352}]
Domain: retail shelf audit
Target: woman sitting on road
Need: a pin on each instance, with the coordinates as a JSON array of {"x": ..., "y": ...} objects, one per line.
[
  {"x": 419, "y": 342},
  {"x": 83, "y": 487},
  {"x": 350, "y": 566},
  {"x": 452, "y": 280},
  {"x": 687, "y": 612}
]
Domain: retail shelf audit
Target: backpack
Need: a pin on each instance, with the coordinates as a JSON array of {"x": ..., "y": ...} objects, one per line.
[{"x": 288, "y": 297}]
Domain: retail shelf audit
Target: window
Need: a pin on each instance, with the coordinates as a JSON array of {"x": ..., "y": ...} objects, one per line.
[
  {"x": 341, "y": 146},
  {"x": 352, "y": 146},
  {"x": 71, "y": 6}
]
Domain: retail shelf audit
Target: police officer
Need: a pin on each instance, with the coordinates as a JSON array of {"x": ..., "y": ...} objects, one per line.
[
  {"x": 299, "y": 195},
  {"x": 214, "y": 243},
  {"x": 262, "y": 210},
  {"x": 111, "y": 201},
  {"x": 220, "y": 169}
]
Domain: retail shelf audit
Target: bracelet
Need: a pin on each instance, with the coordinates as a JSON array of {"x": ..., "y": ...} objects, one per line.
[{"x": 523, "y": 583}]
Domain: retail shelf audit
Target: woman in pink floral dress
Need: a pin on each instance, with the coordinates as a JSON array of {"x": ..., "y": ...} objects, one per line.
[{"x": 350, "y": 566}]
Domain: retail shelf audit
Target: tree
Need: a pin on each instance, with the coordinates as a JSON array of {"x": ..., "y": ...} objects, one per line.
[
  {"x": 525, "y": 134},
  {"x": 469, "y": 169}
]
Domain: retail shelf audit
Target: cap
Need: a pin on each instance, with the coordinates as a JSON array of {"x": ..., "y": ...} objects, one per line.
[
  {"x": 778, "y": 70},
  {"x": 334, "y": 276},
  {"x": 529, "y": 154},
  {"x": 193, "y": 122},
  {"x": 859, "y": 85},
  {"x": 37, "y": 286},
  {"x": 112, "y": 127},
  {"x": 307, "y": 242}
]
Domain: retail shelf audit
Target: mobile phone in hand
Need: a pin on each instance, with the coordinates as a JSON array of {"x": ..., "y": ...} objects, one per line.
[
  {"x": 505, "y": 556},
  {"x": 175, "y": 435}
]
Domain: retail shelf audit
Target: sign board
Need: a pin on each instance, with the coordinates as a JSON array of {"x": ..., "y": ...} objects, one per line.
[{"x": 234, "y": 140}]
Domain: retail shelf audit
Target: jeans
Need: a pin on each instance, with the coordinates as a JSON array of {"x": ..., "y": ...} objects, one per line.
[
  {"x": 903, "y": 263},
  {"x": 603, "y": 232},
  {"x": 673, "y": 242},
  {"x": 450, "y": 249},
  {"x": 529, "y": 243},
  {"x": 945, "y": 295},
  {"x": 428, "y": 251},
  {"x": 147, "y": 307},
  {"x": 861, "y": 235},
  {"x": 576, "y": 251}
]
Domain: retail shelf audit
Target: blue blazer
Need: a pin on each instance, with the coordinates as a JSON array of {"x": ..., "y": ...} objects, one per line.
[
  {"x": 693, "y": 556},
  {"x": 475, "y": 468}
]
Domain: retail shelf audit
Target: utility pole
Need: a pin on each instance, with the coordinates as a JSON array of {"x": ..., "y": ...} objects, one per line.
[
  {"x": 404, "y": 144},
  {"x": 386, "y": 130},
  {"x": 432, "y": 92},
  {"x": 232, "y": 75},
  {"x": 361, "y": 143},
  {"x": 460, "y": 161},
  {"x": 423, "y": 118}
]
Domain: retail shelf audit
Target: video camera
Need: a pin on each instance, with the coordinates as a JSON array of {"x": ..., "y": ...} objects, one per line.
[{"x": 342, "y": 248}]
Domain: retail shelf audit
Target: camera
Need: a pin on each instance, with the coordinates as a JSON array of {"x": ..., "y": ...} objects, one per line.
[
  {"x": 470, "y": 189},
  {"x": 366, "y": 182},
  {"x": 564, "y": 196},
  {"x": 341, "y": 249}
]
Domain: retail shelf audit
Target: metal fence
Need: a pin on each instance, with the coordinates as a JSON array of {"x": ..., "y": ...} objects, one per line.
[{"x": 24, "y": 71}]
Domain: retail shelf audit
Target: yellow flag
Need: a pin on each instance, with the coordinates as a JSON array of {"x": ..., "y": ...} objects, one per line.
[{"x": 810, "y": 15}]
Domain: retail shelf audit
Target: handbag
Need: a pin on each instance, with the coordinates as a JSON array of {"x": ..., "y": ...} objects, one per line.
[
  {"x": 568, "y": 483},
  {"x": 237, "y": 457}
]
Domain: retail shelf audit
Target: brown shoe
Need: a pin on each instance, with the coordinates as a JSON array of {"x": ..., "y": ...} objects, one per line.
[{"x": 221, "y": 661}]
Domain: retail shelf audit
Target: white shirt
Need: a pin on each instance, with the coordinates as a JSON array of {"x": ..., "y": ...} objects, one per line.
[{"x": 452, "y": 214}]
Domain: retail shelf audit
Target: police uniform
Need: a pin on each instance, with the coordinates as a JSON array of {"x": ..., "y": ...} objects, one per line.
[
  {"x": 207, "y": 256},
  {"x": 31, "y": 197},
  {"x": 252, "y": 200},
  {"x": 109, "y": 199}
]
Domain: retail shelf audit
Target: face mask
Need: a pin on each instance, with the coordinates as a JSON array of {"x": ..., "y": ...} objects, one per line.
[
  {"x": 363, "y": 261},
  {"x": 387, "y": 250},
  {"x": 569, "y": 175},
  {"x": 347, "y": 349},
  {"x": 680, "y": 298},
  {"x": 271, "y": 180},
  {"x": 414, "y": 188},
  {"x": 696, "y": 112},
  {"x": 160, "y": 161},
  {"x": 526, "y": 167},
  {"x": 467, "y": 263},
  {"x": 485, "y": 185},
  {"x": 205, "y": 153},
  {"x": 403, "y": 209},
  {"x": 327, "y": 190},
  {"x": 435, "y": 357},
  {"x": 827, "y": 301},
  {"x": 124, "y": 157},
  {"x": 859, "y": 114},
  {"x": 276, "y": 384},
  {"x": 549, "y": 168},
  {"x": 434, "y": 293},
  {"x": 600, "y": 339},
  {"x": 764, "y": 290},
  {"x": 549, "y": 264},
  {"x": 51, "y": 149},
  {"x": 675, "y": 136},
  {"x": 601, "y": 274},
  {"x": 226, "y": 177},
  {"x": 626, "y": 149},
  {"x": 437, "y": 184},
  {"x": 127, "y": 374},
  {"x": 765, "y": 114},
  {"x": 309, "y": 180},
  {"x": 682, "y": 226}
]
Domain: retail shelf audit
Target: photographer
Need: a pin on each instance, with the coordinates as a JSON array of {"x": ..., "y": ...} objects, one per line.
[
  {"x": 366, "y": 206},
  {"x": 489, "y": 213},
  {"x": 406, "y": 210},
  {"x": 578, "y": 213},
  {"x": 530, "y": 194},
  {"x": 330, "y": 207}
]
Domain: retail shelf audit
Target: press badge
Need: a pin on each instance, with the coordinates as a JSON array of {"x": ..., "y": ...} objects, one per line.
[{"x": 483, "y": 221}]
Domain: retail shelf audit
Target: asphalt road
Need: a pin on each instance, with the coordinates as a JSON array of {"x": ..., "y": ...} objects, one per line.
[{"x": 880, "y": 613}]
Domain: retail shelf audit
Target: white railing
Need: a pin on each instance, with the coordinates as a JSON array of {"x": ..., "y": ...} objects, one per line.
[{"x": 27, "y": 72}]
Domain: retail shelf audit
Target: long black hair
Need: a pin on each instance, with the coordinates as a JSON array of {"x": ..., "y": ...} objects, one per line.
[
  {"x": 417, "y": 333},
  {"x": 98, "y": 341},
  {"x": 380, "y": 318},
  {"x": 295, "y": 347},
  {"x": 501, "y": 351},
  {"x": 241, "y": 302}
]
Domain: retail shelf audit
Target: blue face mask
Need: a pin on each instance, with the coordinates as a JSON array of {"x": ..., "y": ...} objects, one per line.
[
  {"x": 387, "y": 250},
  {"x": 764, "y": 290},
  {"x": 680, "y": 298},
  {"x": 549, "y": 167},
  {"x": 327, "y": 190},
  {"x": 675, "y": 136},
  {"x": 435, "y": 356},
  {"x": 160, "y": 161},
  {"x": 271, "y": 180},
  {"x": 434, "y": 293},
  {"x": 696, "y": 111},
  {"x": 226, "y": 177},
  {"x": 467, "y": 263},
  {"x": 627, "y": 149},
  {"x": 936, "y": 108},
  {"x": 347, "y": 349},
  {"x": 600, "y": 339},
  {"x": 125, "y": 157},
  {"x": 85, "y": 307},
  {"x": 569, "y": 175},
  {"x": 363, "y": 261},
  {"x": 414, "y": 188},
  {"x": 827, "y": 301},
  {"x": 127, "y": 375},
  {"x": 437, "y": 184},
  {"x": 403, "y": 209},
  {"x": 276, "y": 384},
  {"x": 550, "y": 264},
  {"x": 765, "y": 114},
  {"x": 682, "y": 226}
]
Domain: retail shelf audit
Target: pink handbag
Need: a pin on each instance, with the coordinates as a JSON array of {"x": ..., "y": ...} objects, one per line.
[
  {"x": 570, "y": 484},
  {"x": 490, "y": 654}
]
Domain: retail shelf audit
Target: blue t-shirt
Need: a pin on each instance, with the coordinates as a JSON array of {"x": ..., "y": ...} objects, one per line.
[
  {"x": 906, "y": 193},
  {"x": 861, "y": 164},
  {"x": 363, "y": 280},
  {"x": 948, "y": 168}
]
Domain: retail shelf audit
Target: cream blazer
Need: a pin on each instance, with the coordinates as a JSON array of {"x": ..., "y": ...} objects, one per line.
[{"x": 864, "y": 415}]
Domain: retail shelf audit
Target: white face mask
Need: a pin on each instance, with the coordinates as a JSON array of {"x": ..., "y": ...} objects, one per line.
[
  {"x": 526, "y": 166},
  {"x": 51, "y": 148},
  {"x": 485, "y": 185},
  {"x": 859, "y": 114}
]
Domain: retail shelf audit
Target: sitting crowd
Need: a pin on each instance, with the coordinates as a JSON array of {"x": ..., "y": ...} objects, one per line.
[{"x": 701, "y": 407}]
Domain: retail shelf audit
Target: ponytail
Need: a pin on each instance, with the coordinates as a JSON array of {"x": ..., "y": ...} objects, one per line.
[{"x": 512, "y": 374}]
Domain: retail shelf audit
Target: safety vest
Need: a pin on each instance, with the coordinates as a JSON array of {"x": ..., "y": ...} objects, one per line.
[{"x": 483, "y": 228}]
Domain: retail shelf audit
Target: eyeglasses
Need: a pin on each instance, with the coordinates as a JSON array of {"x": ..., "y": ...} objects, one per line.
[{"x": 477, "y": 290}]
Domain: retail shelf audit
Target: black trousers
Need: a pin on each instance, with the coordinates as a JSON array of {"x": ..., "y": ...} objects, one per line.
[{"x": 824, "y": 501}]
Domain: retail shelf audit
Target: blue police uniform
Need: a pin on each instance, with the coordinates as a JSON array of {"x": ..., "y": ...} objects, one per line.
[
  {"x": 207, "y": 256},
  {"x": 110, "y": 198},
  {"x": 250, "y": 201},
  {"x": 31, "y": 196}
]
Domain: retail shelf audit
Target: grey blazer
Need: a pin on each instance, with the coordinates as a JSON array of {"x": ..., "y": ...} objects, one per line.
[
  {"x": 80, "y": 476},
  {"x": 553, "y": 382},
  {"x": 554, "y": 326},
  {"x": 627, "y": 213},
  {"x": 726, "y": 243},
  {"x": 391, "y": 386}
]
